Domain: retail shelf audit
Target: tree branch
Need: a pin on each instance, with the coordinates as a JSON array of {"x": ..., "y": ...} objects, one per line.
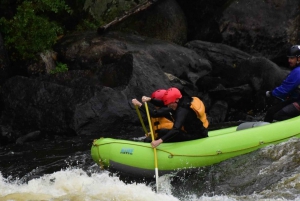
[{"x": 127, "y": 14}]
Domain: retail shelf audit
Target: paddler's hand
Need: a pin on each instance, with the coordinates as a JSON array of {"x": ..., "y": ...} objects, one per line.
[
  {"x": 136, "y": 102},
  {"x": 155, "y": 143},
  {"x": 146, "y": 99}
]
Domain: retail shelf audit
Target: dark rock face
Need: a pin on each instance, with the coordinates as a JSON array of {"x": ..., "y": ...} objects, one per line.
[
  {"x": 117, "y": 74},
  {"x": 259, "y": 28},
  {"x": 230, "y": 60},
  {"x": 33, "y": 104},
  {"x": 33, "y": 136},
  {"x": 164, "y": 20},
  {"x": 96, "y": 98},
  {"x": 262, "y": 28},
  {"x": 89, "y": 51},
  {"x": 95, "y": 95},
  {"x": 202, "y": 19},
  {"x": 7, "y": 135},
  {"x": 223, "y": 58}
]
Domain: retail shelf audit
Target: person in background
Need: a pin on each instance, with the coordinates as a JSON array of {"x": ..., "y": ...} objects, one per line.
[
  {"x": 288, "y": 93},
  {"x": 189, "y": 113},
  {"x": 161, "y": 116}
]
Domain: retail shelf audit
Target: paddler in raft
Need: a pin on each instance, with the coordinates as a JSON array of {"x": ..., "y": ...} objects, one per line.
[
  {"x": 188, "y": 113},
  {"x": 161, "y": 116},
  {"x": 288, "y": 93}
]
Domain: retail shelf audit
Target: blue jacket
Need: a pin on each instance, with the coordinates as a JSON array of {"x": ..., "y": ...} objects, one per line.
[{"x": 290, "y": 87}]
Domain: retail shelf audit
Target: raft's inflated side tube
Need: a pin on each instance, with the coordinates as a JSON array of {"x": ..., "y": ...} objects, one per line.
[{"x": 251, "y": 125}]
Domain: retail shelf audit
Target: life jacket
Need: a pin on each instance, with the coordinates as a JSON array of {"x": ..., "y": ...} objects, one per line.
[
  {"x": 198, "y": 106},
  {"x": 160, "y": 123}
]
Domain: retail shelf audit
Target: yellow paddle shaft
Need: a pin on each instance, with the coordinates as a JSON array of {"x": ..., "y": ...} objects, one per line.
[
  {"x": 141, "y": 120},
  {"x": 154, "y": 149}
]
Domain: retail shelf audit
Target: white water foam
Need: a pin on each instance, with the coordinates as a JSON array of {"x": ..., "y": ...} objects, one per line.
[{"x": 75, "y": 184}]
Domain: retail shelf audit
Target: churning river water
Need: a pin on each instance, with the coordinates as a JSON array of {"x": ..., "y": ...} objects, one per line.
[{"x": 61, "y": 169}]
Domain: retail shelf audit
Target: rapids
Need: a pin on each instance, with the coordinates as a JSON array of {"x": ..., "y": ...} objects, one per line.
[{"x": 61, "y": 169}]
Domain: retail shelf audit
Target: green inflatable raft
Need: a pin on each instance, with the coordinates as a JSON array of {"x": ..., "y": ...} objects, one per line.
[{"x": 137, "y": 158}]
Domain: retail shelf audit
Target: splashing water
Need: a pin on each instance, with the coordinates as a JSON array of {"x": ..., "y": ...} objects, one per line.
[
  {"x": 269, "y": 174},
  {"x": 75, "y": 184}
]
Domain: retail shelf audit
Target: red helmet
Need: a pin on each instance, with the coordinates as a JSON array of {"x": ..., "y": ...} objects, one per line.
[
  {"x": 171, "y": 95},
  {"x": 158, "y": 94}
]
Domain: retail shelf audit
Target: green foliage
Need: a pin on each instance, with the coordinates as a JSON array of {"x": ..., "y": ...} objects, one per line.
[
  {"x": 53, "y": 5},
  {"x": 60, "y": 68},
  {"x": 88, "y": 24},
  {"x": 35, "y": 25},
  {"x": 30, "y": 31}
]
